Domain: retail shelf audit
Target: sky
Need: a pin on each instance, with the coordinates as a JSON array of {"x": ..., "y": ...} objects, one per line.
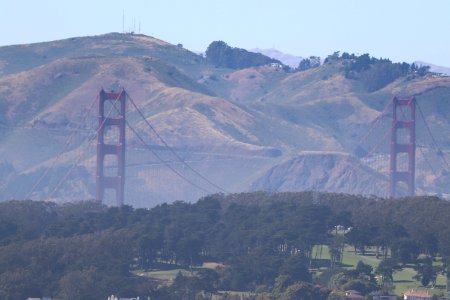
[{"x": 401, "y": 30}]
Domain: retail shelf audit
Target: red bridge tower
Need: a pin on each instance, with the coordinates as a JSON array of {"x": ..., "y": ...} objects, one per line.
[
  {"x": 110, "y": 145},
  {"x": 403, "y": 145}
]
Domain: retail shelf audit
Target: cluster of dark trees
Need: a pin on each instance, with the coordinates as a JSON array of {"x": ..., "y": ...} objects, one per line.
[
  {"x": 309, "y": 63},
  {"x": 375, "y": 73},
  {"x": 222, "y": 55},
  {"x": 264, "y": 241}
]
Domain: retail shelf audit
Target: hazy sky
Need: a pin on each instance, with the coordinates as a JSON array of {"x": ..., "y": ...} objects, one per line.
[{"x": 402, "y": 30}]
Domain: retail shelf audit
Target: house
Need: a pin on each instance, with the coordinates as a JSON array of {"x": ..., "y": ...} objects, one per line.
[
  {"x": 413, "y": 295},
  {"x": 276, "y": 65},
  {"x": 353, "y": 295}
]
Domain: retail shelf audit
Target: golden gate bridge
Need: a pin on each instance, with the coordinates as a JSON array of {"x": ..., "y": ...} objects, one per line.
[{"x": 97, "y": 150}]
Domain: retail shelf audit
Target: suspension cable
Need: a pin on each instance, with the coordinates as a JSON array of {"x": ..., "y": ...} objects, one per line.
[
  {"x": 359, "y": 162},
  {"x": 427, "y": 161},
  {"x": 167, "y": 164},
  {"x": 432, "y": 137},
  {"x": 88, "y": 139},
  {"x": 171, "y": 149},
  {"x": 66, "y": 145},
  {"x": 374, "y": 123},
  {"x": 148, "y": 147}
]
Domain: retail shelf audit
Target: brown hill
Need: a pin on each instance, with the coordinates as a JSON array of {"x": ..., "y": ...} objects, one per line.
[
  {"x": 229, "y": 125},
  {"x": 323, "y": 171}
]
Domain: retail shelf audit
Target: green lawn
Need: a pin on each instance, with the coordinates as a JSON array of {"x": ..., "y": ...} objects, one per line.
[
  {"x": 351, "y": 259},
  {"x": 403, "y": 280},
  {"x": 164, "y": 275},
  {"x": 169, "y": 275}
]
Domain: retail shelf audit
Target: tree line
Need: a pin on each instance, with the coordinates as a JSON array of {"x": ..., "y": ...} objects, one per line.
[
  {"x": 221, "y": 54},
  {"x": 264, "y": 243},
  {"x": 375, "y": 73}
]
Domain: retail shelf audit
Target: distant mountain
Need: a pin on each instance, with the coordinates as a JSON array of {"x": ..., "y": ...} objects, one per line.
[
  {"x": 287, "y": 59},
  {"x": 434, "y": 68},
  {"x": 232, "y": 130}
]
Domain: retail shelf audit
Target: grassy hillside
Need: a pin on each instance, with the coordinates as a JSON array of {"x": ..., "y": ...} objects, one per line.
[{"x": 224, "y": 121}]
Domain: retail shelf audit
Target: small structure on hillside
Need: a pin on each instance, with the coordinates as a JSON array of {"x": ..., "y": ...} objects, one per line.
[{"x": 413, "y": 295}]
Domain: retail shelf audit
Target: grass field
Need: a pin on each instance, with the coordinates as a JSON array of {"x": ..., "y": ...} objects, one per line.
[
  {"x": 163, "y": 275},
  {"x": 403, "y": 279},
  {"x": 170, "y": 274}
]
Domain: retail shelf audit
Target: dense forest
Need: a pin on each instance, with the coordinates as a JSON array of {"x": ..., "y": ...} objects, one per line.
[{"x": 262, "y": 243}]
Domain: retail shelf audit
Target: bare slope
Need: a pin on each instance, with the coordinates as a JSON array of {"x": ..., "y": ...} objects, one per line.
[
  {"x": 187, "y": 114},
  {"x": 232, "y": 126},
  {"x": 322, "y": 171}
]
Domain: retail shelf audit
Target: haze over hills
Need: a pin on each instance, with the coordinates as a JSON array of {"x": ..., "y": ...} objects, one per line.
[
  {"x": 258, "y": 128},
  {"x": 293, "y": 60},
  {"x": 434, "y": 68},
  {"x": 287, "y": 59}
]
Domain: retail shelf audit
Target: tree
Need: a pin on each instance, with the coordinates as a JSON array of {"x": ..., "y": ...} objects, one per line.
[
  {"x": 295, "y": 267},
  {"x": 254, "y": 234},
  {"x": 360, "y": 285},
  {"x": 303, "y": 290},
  {"x": 188, "y": 250},
  {"x": 309, "y": 63},
  {"x": 222, "y": 55},
  {"x": 315, "y": 61},
  {"x": 338, "y": 279},
  {"x": 421, "y": 71},
  {"x": 426, "y": 272},
  {"x": 337, "y": 295},
  {"x": 362, "y": 268},
  {"x": 374, "y": 73},
  {"x": 209, "y": 280},
  {"x": 219, "y": 53},
  {"x": 185, "y": 287},
  {"x": 332, "y": 57},
  {"x": 405, "y": 250},
  {"x": 80, "y": 285},
  {"x": 386, "y": 270},
  {"x": 304, "y": 65},
  {"x": 361, "y": 237},
  {"x": 149, "y": 244},
  {"x": 336, "y": 249},
  {"x": 389, "y": 233},
  {"x": 19, "y": 283}
]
